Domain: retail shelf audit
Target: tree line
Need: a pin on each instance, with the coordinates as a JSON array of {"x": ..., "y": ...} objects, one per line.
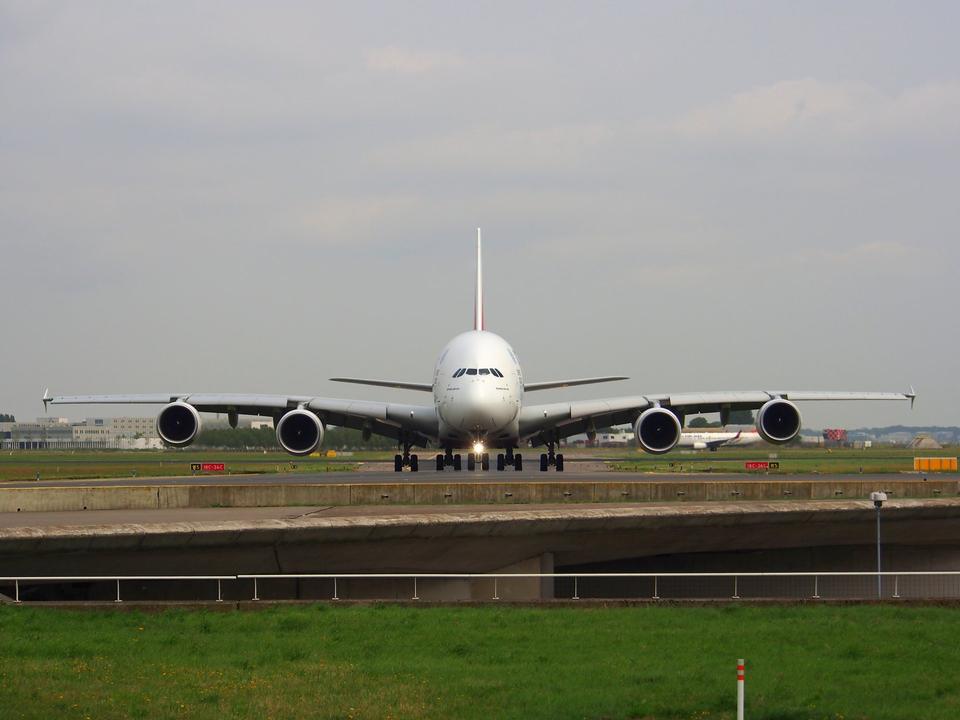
[
  {"x": 334, "y": 438},
  {"x": 7, "y": 418}
]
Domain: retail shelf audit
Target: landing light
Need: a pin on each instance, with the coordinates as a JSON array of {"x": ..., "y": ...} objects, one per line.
[{"x": 478, "y": 448}]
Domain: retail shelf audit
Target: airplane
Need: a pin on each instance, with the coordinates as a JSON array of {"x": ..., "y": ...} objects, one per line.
[
  {"x": 714, "y": 440},
  {"x": 479, "y": 395}
]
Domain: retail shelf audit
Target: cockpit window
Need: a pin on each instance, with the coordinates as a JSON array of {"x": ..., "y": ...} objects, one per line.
[
  {"x": 484, "y": 371},
  {"x": 471, "y": 371},
  {"x": 459, "y": 372},
  {"x": 496, "y": 372}
]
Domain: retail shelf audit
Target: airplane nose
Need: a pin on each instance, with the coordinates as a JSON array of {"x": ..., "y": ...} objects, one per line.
[{"x": 482, "y": 408}]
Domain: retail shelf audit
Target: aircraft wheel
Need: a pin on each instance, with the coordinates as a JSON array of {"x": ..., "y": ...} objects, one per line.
[
  {"x": 485, "y": 462},
  {"x": 457, "y": 463},
  {"x": 543, "y": 462},
  {"x": 471, "y": 462},
  {"x": 439, "y": 463},
  {"x": 414, "y": 463},
  {"x": 559, "y": 463},
  {"x": 398, "y": 463},
  {"x": 517, "y": 463},
  {"x": 501, "y": 462}
]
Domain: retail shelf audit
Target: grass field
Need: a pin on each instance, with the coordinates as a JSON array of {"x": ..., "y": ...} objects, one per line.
[
  {"x": 816, "y": 661},
  {"x": 791, "y": 460},
  {"x": 83, "y": 464}
]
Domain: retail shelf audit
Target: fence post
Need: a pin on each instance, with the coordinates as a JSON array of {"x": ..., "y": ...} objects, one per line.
[
  {"x": 118, "y": 590},
  {"x": 656, "y": 589},
  {"x": 740, "y": 680},
  {"x": 255, "y": 597},
  {"x": 736, "y": 591},
  {"x": 816, "y": 587},
  {"x": 16, "y": 584},
  {"x": 896, "y": 586},
  {"x": 415, "y": 596},
  {"x": 219, "y": 591},
  {"x": 496, "y": 594},
  {"x": 335, "y": 589},
  {"x": 576, "y": 588}
]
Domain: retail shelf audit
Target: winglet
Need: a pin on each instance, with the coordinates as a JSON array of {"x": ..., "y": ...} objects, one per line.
[
  {"x": 478, "y": 301},
  {"x": 46, "y": 398},
  {"x": 912, "y": 395}
]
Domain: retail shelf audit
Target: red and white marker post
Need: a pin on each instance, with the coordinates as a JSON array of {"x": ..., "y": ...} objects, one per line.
[{"x": 740, "y": 689}]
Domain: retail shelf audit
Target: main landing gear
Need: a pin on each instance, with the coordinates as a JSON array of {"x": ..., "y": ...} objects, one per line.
[
  {"x": 478, "y": 459},
  {"x": 448, "y": 459},
  {"x": 550, "y": 458},
  {"x": 503, "y": 460},
  {"x": 406, "y": 460}
]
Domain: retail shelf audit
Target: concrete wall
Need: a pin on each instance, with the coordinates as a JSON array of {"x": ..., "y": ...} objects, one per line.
[{"x": 48, "y": 499}]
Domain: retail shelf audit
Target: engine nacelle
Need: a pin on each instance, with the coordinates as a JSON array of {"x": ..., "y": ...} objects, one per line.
[
  {"x": 657, "y": 430},
  {"x": 178, "y": 424},
  {"x": 778, "y": 421},
  {"x": 299, "y": 432}
]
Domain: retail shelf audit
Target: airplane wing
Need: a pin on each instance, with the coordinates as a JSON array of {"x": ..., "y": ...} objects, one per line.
[
  {"x": 419, "y": 422},
  {"x": 714, "y": 444},
  {"x": 560, "y": 420},
  {"x": 425, "y": 387},
  {"x": 529, "y": 387}
]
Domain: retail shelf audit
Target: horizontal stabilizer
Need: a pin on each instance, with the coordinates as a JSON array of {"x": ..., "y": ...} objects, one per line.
[
  {"x": 386, "y": 383},
  {"x": 570, "y": 383}
]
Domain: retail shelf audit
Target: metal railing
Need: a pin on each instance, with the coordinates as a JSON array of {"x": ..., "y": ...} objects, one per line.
[
  {"x": 35, "y": 580},
  {"x": 812, "y": 589}
]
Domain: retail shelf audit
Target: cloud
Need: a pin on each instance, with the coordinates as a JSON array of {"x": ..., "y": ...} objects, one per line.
[
  {"x": 492, "y": 148},
  {"x": 405, "y": 61},
  {"x": 809, "y": 107}
]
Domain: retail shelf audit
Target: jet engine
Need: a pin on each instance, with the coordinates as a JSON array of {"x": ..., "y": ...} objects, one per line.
[
  {"x": 178, "y": 424},
  {"x": 657, "y": 430},
  {"x": 778, "y": 421},
  {"x": 299, "y": 432}
]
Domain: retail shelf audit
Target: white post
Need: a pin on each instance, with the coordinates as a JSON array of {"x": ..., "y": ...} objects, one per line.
[
  {"x": 740, "y": 689},
  {"x": 255, "y": 589},
  {"x": 118, "y": 590},
  {"x": 17, "y": 585}
]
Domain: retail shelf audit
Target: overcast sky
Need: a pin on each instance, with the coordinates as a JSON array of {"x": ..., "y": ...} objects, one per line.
[{"x": 254, "y": 197}]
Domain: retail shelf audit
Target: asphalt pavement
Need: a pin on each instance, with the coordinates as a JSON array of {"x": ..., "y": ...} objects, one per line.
[{"x": 572, "y": 474}]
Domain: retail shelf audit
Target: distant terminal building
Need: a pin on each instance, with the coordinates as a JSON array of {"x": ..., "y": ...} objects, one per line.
[
  {"x": 122, "y": 433},
  {"x": 261, "y": 424}
]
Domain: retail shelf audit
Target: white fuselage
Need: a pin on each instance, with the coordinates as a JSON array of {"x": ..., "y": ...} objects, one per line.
[
  {"x": 704, "y": 440},
  {"x": 478, "y": 391}
]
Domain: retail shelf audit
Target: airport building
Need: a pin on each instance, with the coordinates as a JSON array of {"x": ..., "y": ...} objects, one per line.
[{"x": 121, "y": 433}]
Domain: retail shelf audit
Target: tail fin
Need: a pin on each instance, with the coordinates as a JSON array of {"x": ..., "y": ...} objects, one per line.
[{"x": 478, "y": 301}]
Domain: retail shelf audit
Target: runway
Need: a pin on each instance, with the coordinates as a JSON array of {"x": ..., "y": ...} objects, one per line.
[{"x": 431, "y": 475}]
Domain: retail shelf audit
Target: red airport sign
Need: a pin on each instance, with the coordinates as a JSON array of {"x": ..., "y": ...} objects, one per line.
[
  {"x": 208, "y": 467},
  {"x": 761, "y": 465}
]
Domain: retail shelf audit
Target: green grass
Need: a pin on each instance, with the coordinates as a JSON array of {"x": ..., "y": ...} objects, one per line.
[
  {"x": 792, "y": 460},
  {"x": 804, "y": 661},
  {"x": 86, "y": 464}
]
